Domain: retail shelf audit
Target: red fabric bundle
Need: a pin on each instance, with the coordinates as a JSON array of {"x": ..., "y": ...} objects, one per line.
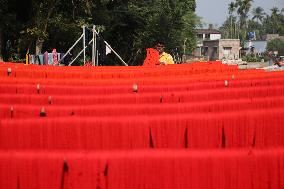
[{"x": 152, "y": 57}]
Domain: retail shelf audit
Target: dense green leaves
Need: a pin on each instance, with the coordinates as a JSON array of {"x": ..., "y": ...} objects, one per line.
[
  {"x": 238, "y": 23},
  {"x": 276, "y": 45},
  {"x": 130, "y": 26}
]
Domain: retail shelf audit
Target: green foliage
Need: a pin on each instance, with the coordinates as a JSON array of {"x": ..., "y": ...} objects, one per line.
[
  {"x": 243, "y": 8},
  {"x": 258, "y": 14},
  {"x": 16, "y": 58},
  {"x": 238, "y": 24},
  {"x": 252, "y": 58},
  {"x": 274, "y": 23},
  {"x": 130, "y": 26},
  {"x": 276, "y": 45}
]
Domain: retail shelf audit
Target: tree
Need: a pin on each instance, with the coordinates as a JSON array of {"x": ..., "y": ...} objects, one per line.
[
  {"x": 276, "y": 45},
  {"x": 129, "y": 26},
  {"x": 9, "y": 14},
  {"x": 3, "y": 11},
  {"x": 226, "y": 29},
  {"x": 256, "y": 27},
  {"x": 243, "y": 10},
  {"x": 274, "y": 18},
  {"x": 138, "y": 24},
  {"x": 232, "y": 8},
  {"x": 258, "y": 14},
  {"x": 43, "y": 13},
  {"x": 274, "y": 23}
]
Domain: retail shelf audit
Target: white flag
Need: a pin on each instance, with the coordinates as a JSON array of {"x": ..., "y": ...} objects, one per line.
[{"x": 107, "y": 50}]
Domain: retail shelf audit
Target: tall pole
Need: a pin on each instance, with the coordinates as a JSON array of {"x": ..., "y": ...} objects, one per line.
[
  {"x": 71, "y": 48},
  {"x": 97, "y": 56},
  {"x": 115, "y": 53},
  {"x": 184, "y": 49},
  {"x": 80, "y": 52},
  {"x": 94, "y": 46},
  {"x": 84, "y": 43}
]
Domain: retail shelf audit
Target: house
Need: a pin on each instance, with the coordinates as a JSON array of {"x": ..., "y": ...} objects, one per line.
[
  {"x": 205, "y": 34},
  {"x": 269, "y": 37},
  {"x": 228, "y": 49},
  {"x": 212, "y": 47}
]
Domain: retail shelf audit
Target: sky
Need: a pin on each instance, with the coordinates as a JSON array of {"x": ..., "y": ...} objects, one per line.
[{"x": 215, "y": 11}]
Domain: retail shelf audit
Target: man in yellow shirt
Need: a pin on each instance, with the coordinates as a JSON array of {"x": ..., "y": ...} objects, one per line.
[{"x": 164, "y": 58}]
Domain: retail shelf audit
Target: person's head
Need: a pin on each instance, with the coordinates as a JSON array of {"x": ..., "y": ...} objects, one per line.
[{"x": 160, "y": 47}]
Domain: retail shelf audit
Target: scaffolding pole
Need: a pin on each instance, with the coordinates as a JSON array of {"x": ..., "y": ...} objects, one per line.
[
  {"x": 94, "y": 46},
  {"x": 95, "y": 54},
  {"x": 84, "y": 43},
  {"x": 71, "y": 48},
  {"x": 115, "y": 53},
  {"x": 80, "y": 53}
]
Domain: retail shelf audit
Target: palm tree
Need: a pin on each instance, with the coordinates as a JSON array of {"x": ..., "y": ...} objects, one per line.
[
  {"x": 282, "y": 11},
  {"x": 274, "y": 11},
  {"x": 243, "y": 10},
  {"x": 258, "y": 14},
  {"x": 232, "y": 8},
  {"x": 274, "y": 17}
]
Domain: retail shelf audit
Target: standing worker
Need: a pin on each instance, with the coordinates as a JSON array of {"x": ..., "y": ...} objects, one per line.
[{"x": 164, "y": 58}]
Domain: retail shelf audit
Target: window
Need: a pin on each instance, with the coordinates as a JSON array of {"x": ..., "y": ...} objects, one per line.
[
  {"x": 227, "y": 50},
  {"x": 200, "y": 36},
  {"x": 207, "y": 36},
  {"x": 205, "y": 51}
]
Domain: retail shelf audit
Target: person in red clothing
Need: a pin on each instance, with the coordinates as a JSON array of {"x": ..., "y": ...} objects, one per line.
[
  {"x": 164, "y": 58},
  {"x": 157, "y": 56},
  {"x": 152, "y": 58}
]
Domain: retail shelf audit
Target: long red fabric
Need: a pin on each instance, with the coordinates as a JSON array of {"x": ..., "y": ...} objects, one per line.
[
  {"x": 198, "y": 125},
  {"x": 217, "y": 169}
]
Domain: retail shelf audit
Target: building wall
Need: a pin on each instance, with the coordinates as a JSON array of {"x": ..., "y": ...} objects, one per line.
[
  {"x": 204, "y": 37},
  {"x": 210, "y": 49},
  {"x": 234, "y": 44},
  {"x": 215, "y": 36},
  {"x": 221, "y": 49},
  {"x": 269, "y": 37}
]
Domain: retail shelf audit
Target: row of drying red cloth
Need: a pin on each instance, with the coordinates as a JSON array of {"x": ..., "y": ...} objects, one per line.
[
  {"x": 178, "y": 75},
  {"x": 97, "y": 74},
  {"x": 196, "y": 65},
  {"x": 27, "y": 106},
  {"x": 179, "y": 97},
  {"x": 167, "y": 101},
  {"x": 51, "y": 89},
  {"x": 161, "y": 80},
  {"x": 157, "y": 81},
  {"x": 112, "y": 72},
  {"x": 205, "y": 125},
  {"x": 140, "y": 169},
  {"x": 248, "y": 128}
]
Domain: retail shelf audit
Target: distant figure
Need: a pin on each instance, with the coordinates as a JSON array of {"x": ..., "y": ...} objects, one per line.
[
  {"x": 278, "y": 61},
  {"x": 252, "y": 50},
  {"x": 157, "y": 56},
  {"x": 275, "y": 59},
  {"x": 152, "y": 57},
  {"x": 164, "y": 58}
]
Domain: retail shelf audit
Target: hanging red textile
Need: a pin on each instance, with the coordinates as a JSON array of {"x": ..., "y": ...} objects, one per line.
[{"x": 152, "y": 57}]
